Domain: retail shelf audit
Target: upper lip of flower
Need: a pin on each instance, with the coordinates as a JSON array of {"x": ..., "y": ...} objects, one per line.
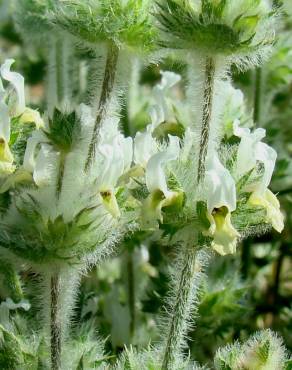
[
  {"x": 17, "y": 81},
  {"x": 219, "y": 184},
  {"x": 155, "y": 176},
  {"x": 251, "y": 150}
]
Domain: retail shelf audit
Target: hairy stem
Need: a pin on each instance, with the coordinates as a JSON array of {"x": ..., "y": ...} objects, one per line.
[
  {"x": 59, "y": 65},
  {"x": 67, "y": 68},
  {"x": 60, "y": 178},
  {"x": 185, "y": 296},
  {"x": 56, "y": 332},
  {"x": 51, "y": 76},
  {"x": 104, "y": 101},
  {"x": 207, "y": 115}
]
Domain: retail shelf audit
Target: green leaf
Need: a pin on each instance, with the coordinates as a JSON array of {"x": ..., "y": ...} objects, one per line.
[{"x": 64, "y": 130}]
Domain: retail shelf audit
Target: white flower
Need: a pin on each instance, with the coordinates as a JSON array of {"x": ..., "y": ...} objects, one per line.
[
  {"x": 12, "y": 104},
  {"x": 6, "y": 158},
  {"x": 17, "y": 82},
  {"x": 156, "y": 182},
  {"x": 269, "y": 201},
  {"x": 155, "y": 176},
  {"x": 39, "y": 158},
  {"x": 221, "y": 201},
  {"x": 161, "y": 111},
  {"x": 116, "y": 160},
  {"x": 32, "y": 116},
  {"x": 8, "y": 108},
  {"x": 251, "y": 151},
  {"x": 234, "y": 107},
  {"x": 4, "y": 116},
  {"x": 145, "y": 146},
  {"x": 12, "y": 100}
]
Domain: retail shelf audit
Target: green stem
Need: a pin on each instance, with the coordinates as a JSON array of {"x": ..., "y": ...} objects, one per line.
[
  {"x": 59, "y": 70},
  {"x": 207, "y": 115},
  {"x": 104, "y": 101},
  {"x": 60, "y": 178},
  {"x": 182, "y": 308},
  {"x": 56, "y": 331}
]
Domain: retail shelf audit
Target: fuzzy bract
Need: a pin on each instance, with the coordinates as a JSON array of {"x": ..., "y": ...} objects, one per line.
[
  {"x": 232, "y": 28},
  {"x": 32, "y": 21},
  {"x": 127, "y": 23}
]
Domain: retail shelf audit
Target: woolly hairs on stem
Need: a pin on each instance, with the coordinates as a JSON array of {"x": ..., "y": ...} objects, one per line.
[{"x": 186, "y": 284}]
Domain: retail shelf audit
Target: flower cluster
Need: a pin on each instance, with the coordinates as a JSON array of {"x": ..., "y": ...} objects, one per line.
[
  {"x": 234, "y": 184},
  {"x": 59, "y": 212}
]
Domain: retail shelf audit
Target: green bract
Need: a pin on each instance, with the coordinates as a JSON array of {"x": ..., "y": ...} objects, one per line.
[
  {"x": 264, "y": 350},
  {"x": 124, "y": 23},
  {"x": 31, "y": 16},
  {"x": 223, "y": 27},
  {"x": 40, "y": 240},
  {"x": 63, "y": 130}
]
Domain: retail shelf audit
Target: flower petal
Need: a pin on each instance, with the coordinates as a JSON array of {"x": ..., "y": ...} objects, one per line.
[
  {"x": 110, "y": 203},
  {"x": 4, "y": 122},
  {"x": 246, "y": 158},
  {"x": 251, "y": 150},
  {"x": 269, "y": 201},
  {"x": 113, "y": 165},
  {"x": 44, "y": 165},
  {"x": 32, "y": 116},
  {"x": 127, "y": 150},
  {"x": 6, "y": 158},
  {"x": 155, "y": 176},
  {"x": 17, "y": 81},
  {"x": 168, "y": 80},
  {"x": 219, "y": 184},
  {"x": 268, "y": 156},
  {"x": 29, "y": 160},
  {"x": 225, "y": 236},
  {"x": 145, "y": 147},
  {"x": 157, "y": 115}
]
